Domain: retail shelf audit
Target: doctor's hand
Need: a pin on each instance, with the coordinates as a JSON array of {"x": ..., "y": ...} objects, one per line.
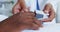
[
  {"x": 19, "y": 6},
  {"x": 16, "y": 9},
  {"x": 49, "y": 10},
  {"x": 36, "y": 23}
]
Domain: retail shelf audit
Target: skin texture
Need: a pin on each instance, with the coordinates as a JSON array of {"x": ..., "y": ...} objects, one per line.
[
  {"x": 19, "y": 22},
  {"x": 48, "y": 7},
  {"x": 20, "y": 5}
]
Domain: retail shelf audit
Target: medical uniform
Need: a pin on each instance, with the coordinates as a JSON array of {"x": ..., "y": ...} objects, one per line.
[{"x": 32, "y": 4}]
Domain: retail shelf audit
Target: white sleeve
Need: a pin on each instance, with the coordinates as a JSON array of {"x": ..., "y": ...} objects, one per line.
[{"x": 53, "y": 3}]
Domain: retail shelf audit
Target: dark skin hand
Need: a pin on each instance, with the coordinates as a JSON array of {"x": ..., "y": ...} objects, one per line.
[
  {"x": 20, "y": 6},
  {"x": 18, "y": 22},
  {"x": 36, "y": 23}
]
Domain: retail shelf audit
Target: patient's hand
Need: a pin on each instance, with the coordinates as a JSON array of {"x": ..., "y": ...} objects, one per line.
[
  {"x": 29, "y": 19},
  {"x": 18, "y": 22}
]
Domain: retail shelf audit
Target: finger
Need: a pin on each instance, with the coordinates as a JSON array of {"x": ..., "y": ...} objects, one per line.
[
  {"x": 22, "y": 11},
  {"x": 35, "y": 26},
  {"x": 38, "y": 22},
  {"x": 25, "y": 10},
  {"x": 16, "y": 11}
]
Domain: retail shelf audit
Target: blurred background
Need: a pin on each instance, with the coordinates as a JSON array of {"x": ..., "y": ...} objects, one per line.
[{"x": 6, "y": 8}]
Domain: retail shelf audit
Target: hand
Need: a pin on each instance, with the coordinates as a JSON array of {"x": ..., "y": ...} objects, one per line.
[
  {"x": 36, "y": 25},
  {"x": 39, "y": 23},
  {"x": 47, "y": 8},
  {"x": 27, "y": 17},
  {"x": 16, "y": 8}
]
